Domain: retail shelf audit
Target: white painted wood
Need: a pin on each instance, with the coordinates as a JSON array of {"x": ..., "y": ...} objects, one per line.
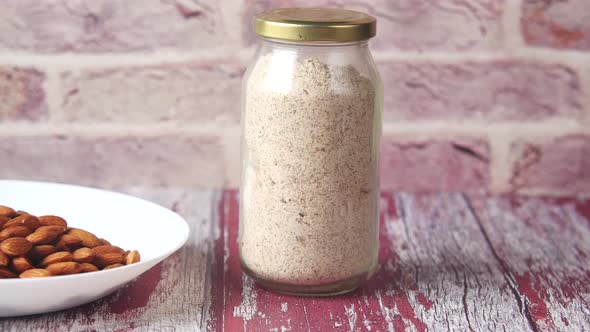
[{"x": 545, "y": 248}]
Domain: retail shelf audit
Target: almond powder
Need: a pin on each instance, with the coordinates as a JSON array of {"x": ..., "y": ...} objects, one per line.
[{"x": 310, "y": 187}]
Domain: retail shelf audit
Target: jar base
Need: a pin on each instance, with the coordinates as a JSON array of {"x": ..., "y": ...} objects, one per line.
[{"x": 335, "y": 288}]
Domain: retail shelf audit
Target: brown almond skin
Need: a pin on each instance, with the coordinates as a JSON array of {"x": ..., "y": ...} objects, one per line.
[
  {"x": 14, "y": 231},
  {"x": 104, "y": 242},
  {"x": 88, "y": 239},
  {"x": 21, "y": 264},
  {"x": 3, "y": 220},
  {"x": 6, "y": 273},
  {"x": 27, "y": 220},
  {"x": 58, "y": 257},
  {"x": 40, "y": 252},
  {"x": 61, "y": 246},
  {"x": 104, "y": 249},
  {"x": 56, "y": 229},
  {"x": 87, "y": 267},
  {"x": 112, "y": 266},
  {"x": 35, "y": 273},
  {"x": 6, "y": 211},
  {"x": 71, "y": 240},
  {"x": 53, "y": 221},
  {"x": 110, "y": 258},
  {"x": 16, "y": 246},
  {"x": 83, "y": 255},
  {"x": 4, "y": 260},
  {"x": 132, "y": 257},
  {"x": 64, "y": 268},
  {"x": 41, "y": 237}
]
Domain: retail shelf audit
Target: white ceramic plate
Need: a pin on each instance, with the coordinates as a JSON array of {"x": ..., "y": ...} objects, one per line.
[{"x": 126, "y": 221}]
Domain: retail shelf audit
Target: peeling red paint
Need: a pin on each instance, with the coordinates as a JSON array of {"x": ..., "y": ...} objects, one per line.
[
  {"x": 425, "y": 302},
  {"x": 137, "y": 294},
  {"x": 536, "y": 296},
  {"x": 407, "y": 311},
  {"x": 398, "y": 324},
  {"x": 216, "y": 311},
  {"x": 572, "y": 287},
  {"x": 389, "y": 205},
  {"x": 388, "y": 298},
  {"x": 226, "y": 279},
  {"x": 583, "y": 208}
]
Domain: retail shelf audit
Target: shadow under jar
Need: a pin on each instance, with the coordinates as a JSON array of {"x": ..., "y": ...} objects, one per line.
[{"x": 311, "y": 127}]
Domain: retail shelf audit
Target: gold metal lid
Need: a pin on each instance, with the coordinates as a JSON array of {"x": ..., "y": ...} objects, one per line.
[{"x": 315, "y": 24}]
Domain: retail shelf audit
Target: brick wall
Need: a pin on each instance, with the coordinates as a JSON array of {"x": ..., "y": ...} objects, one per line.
[{"x": 485, "y": 94}]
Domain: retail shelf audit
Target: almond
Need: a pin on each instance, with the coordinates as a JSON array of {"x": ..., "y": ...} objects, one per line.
[
  {"x": 58, "y": 257},
  {"x": 132, "y": 257},
  {"x": 88, "y": 239},
  {"x": 27, "y": 220},
  {"x": 6, "y": 211},
  {"x": 40, "y": 252},
  {"x": 83, "y": 255},
  {"x": 52, "y": 228},
  {"x": 6, "y": 273},
  {"x": 106, "y": 259},
  {"x": 14, "y": 231},
  {"x": 15, "y": 246},
  {"x": 21, "y": 264},
  {"x": 4, "y": 260},
  {"x": 104, "y": 249},
  {"x": 3, "y": 220},
  {"x": 34, "y": 247},
  {"x": 53, "y": 221},
  {"x": 41, "y": 237},
  {"x": 87, "y": 267},
  {"x": 71, "y": 240},
  {"x": 64, "y": 268},
  {"x": 35, "y": 273},
  {"x": 112, "y": 266}
]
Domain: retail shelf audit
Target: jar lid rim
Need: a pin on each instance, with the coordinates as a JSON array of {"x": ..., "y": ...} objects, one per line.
[{"x": 315, "y": 24}]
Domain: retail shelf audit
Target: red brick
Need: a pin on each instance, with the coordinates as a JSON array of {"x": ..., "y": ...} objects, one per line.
[
  {"x": 21, "y": 94},
  {"x": 481, "y": 92},
  {"x": 110, "y": 25},
  {"x": 178, "y": 93},
  {"x": 552, "y": 166},
  {"x": 413, "y": 25},
  {"x": 115, "y": 160},
  {"x": 558, "y": 24},
  {"x": 460, "y": 164}
]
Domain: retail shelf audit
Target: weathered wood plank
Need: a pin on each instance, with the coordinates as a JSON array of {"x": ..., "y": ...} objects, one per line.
[
  {"x": 544, "y": 246},
  {"x": 436, "y": 273},
  {"x": 447, "y": 262},
  {"x": 172, "y": 296}
]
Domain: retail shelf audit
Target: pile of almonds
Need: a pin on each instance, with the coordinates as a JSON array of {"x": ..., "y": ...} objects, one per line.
[{"x": 33, "y": 247}]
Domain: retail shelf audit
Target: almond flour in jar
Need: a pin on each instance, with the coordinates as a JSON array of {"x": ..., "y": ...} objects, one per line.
[{"x": 309, "y": 194}]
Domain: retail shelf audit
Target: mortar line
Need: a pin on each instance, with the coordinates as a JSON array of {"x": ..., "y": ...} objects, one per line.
[
  {"x": 243, "y": 56},
  {"x": 52, "y": 86},
  {"x": 390, "y": 130},
  {"x": 511, "y": 26}
]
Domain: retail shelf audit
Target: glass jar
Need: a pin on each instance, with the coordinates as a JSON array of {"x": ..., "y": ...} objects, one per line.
[{"x": 311, "y": 128}]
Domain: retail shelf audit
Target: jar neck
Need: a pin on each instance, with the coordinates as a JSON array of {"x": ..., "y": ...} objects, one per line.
[{"x": 319, "y": 44}]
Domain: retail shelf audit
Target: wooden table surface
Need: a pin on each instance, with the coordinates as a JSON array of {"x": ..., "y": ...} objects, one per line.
[{"x": 447, "y": 262}]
